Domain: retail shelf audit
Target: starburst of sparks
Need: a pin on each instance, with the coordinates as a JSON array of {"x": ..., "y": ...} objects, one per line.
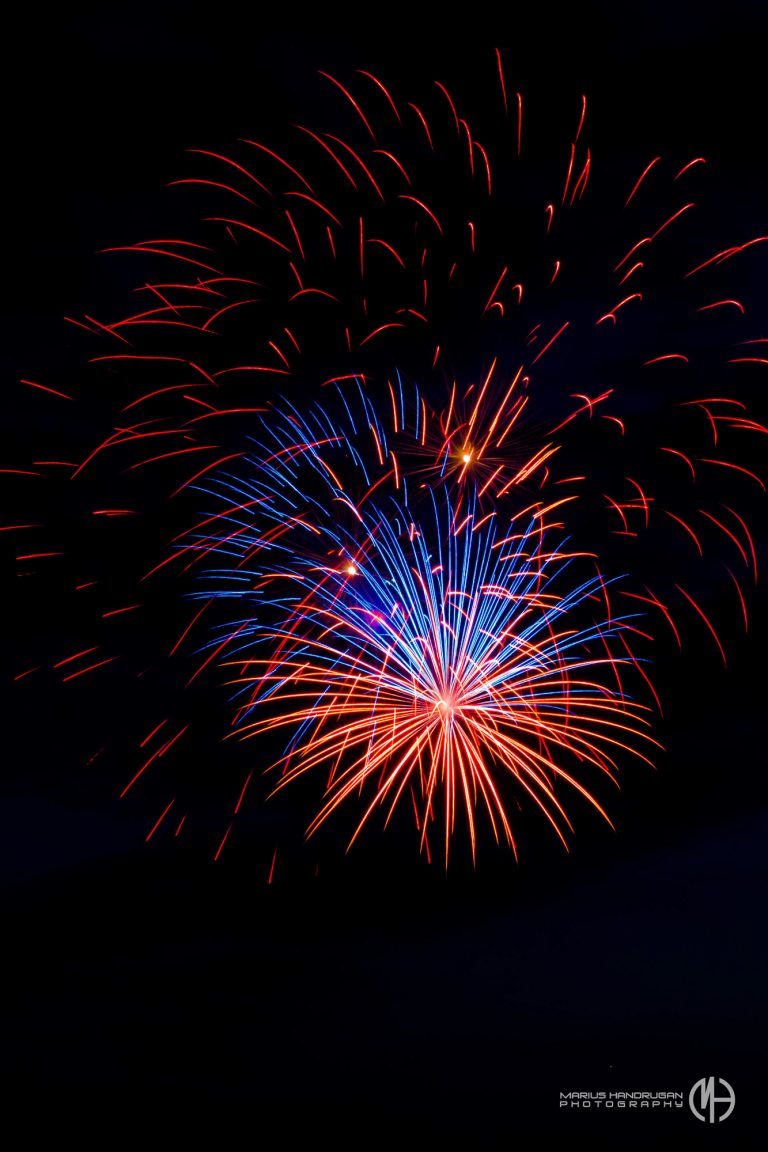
[
  {"x": 453, "y": 355},
  {"x": 447, "y": 667}
]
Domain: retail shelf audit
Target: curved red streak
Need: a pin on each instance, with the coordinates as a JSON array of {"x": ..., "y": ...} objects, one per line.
[
  {"x": 249, "y": 228},
  {"x": 313, "y": 291},
  {"x": 551, "y": 342},
  {"x": 167, "y": 455},
  {"x": 379, "y": 84},
  {"x": 213, "y": 184},
  {"x": 181, "y": 639},
  {"x": 220, "y": 848},
  {"x": 633, "y": 249},
  {"x": 296, "y": 273},
  {"x": 404, "y": 196},
  {"x": 395, "y": 161},
  {"x": 295, "y": 231},
  {"x": 221, "y": 311},
  {"x": 220, "y": 412},
  {"x": 651, "y": 599},
  {"x": 643, "y": 673},
  {"x": 45, "y": 388},
  {"x": 113, "y": 441},
  {"x": 162, "y": 817},
  {"x": 107, "y": 329},
  {"x": 79, "y": 324},
  {"x": 618, "y": 508},
  {"x": 748, "y": 535},
  {"x": 674, "y": 452},
  {"x": 501, "y": 80},
  {"x": 77, "y": 655},
  {"x": 162, "y": 252},
  {"x": 156, "y": 729},
  {"x": 736, "y": 468},
  {"x": 90, "y": 668},
  {"x": 469, "y": 146},
  {"x": 627, "y": 275},
  {"x": 447, "y": 95},
  {"x": 312, "y": 200},
  {"x": 744, "y": 425},
  {"x": 159, "y": 392},
  {"x": 487, "y": 164},
  {"x": 569, "y": 173},
  {"x": 138, "y": 323},
  {"x": 352, "y": 101},
  {"x": 671, "y": 219},
  {"x": 257, "y": 367},
  {"x": 741, "y": 598},
  {"x": 242, "y": 793},
  {"x": 705, "y": 619},
  {"x": 171, "y": 240},
  {"x": 690, "y": 164},
  {"x": 642, "y": 177},
  {"x": 626, "y": 300},
  {"x": 581, "y": 119},
  {"x": 726, "y": 254},
  {"x": 393, "y": 324},
  {"x": 728, "y": 533},
  {"x": 280, "y": 160},
  {"x": 384, "y": 244},
  {"x": 330, "y": 152},
  {"x": 232, "y": 163},
  {"x": 581, "y": 183},
  {"x": 720, "y": 303},
  {"x": 423, "y": 120},
  {"x": 711, "y": 400},
  {"x": 155, "y": 312},
  {"x": 359, "y": 160},
  {"x": 688, "y": 529},
  {"x": 496, "y": 287},
  {"x": 645, "y": 500}
]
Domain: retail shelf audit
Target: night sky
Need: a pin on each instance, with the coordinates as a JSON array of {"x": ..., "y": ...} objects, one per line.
[{"x": 380, "y": 1001}]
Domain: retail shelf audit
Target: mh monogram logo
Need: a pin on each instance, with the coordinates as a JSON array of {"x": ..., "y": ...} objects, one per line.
[{"x": 703, "y": 1095}]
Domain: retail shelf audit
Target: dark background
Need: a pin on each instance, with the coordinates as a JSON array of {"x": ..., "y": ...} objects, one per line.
[{"x": 383, "y": 1001}]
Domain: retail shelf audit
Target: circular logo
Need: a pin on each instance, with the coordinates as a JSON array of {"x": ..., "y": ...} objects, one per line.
[{"x": 706, "y": 1105}]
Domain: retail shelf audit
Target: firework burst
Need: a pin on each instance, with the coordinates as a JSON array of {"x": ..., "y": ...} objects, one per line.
[
  {"x": 460, "y": 341},
  {"x": 445, "y": 667}
]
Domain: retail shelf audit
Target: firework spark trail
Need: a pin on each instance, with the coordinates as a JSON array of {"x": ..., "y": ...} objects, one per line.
[
  {"x": 407, "y": 297},
  {"x": 290, "y": 558},
  {"x": 436, "y": 367},
  {"x": 442, "y": 671}
]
